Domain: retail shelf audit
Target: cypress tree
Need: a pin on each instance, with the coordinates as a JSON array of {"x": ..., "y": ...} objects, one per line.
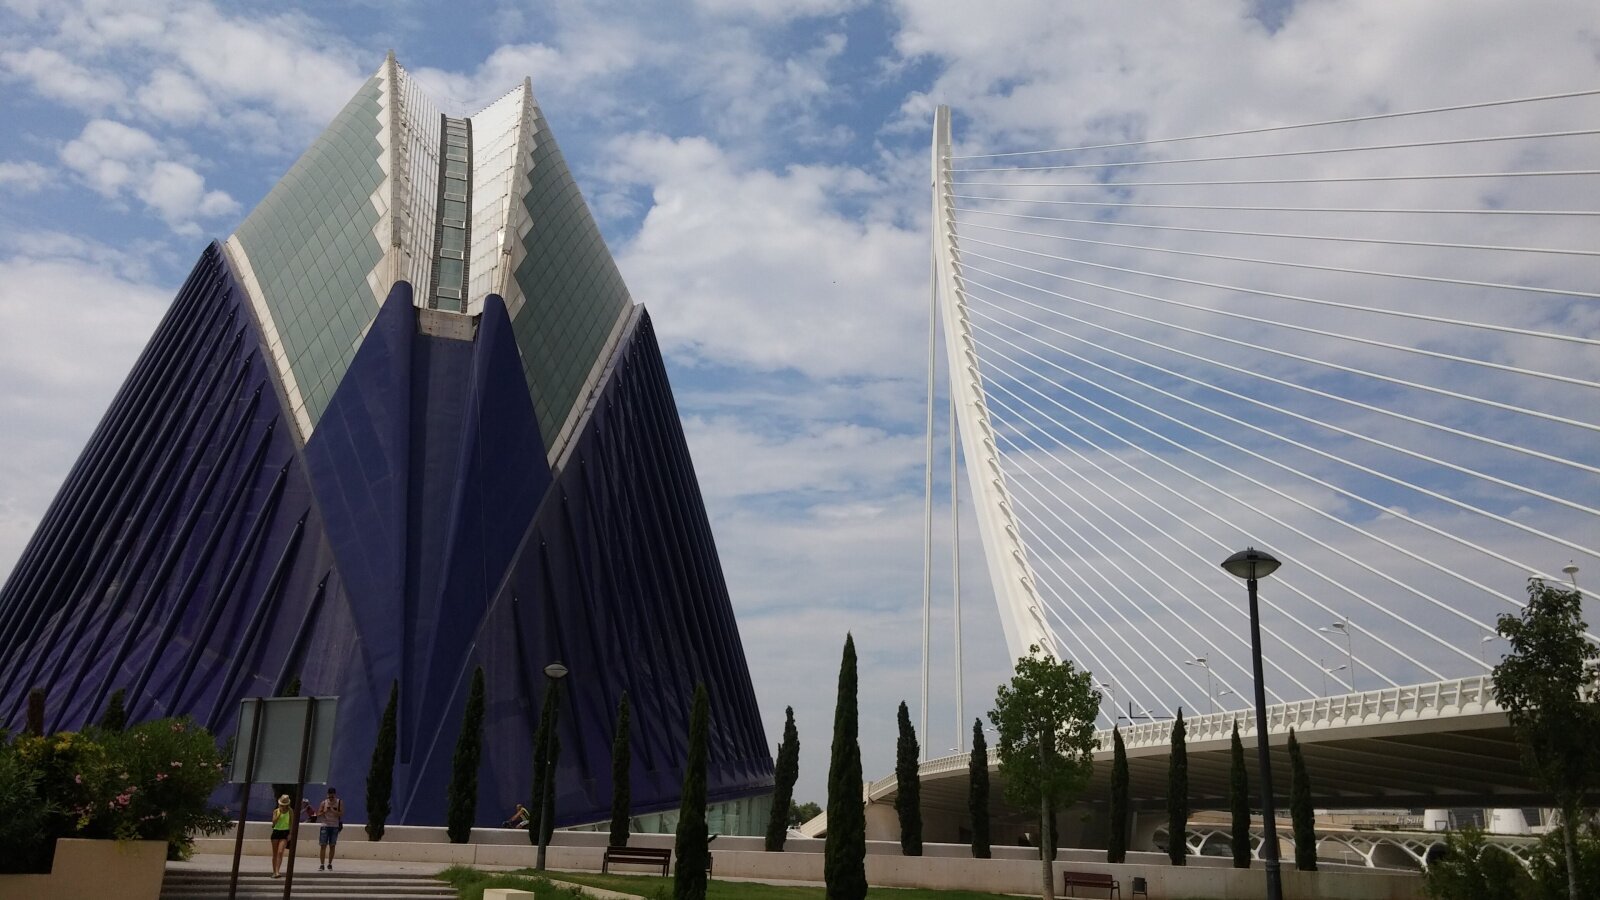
[
  {"x": 692, "y": 850},
  {"x": 1300, "y": 812},
  {"x": 844, "y": 865},
  {"x": 978, "y": 792},
  {"x": 908, "y": 793},
  {"x": 380, "y": 773},
  {"x": 462, "y": 804},
  {"x": 1178, "y": 794},
  {"x": 34, "y": 724},
  {"x": 115, "y": 718},
  {"x": 543, "y": 759},
  {"x": 784, "y": 774},
  {"x": 1239, "y": 800},
  {"x": 621, "y": 771},
  {"x": 292, "y": 689},
  {"x": 1117, "y": 846}
]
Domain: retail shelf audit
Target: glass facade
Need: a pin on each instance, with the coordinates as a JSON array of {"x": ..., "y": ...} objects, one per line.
[
  {"x": 312, "y": 244},
  {"x": 572, "y": 293},
  {"x": 745, "y": 817}
]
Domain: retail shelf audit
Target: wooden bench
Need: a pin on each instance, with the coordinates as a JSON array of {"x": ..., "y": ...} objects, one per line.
[
  {"x": 1111, "y": 886},
  {"x": 641, "y": 856}
]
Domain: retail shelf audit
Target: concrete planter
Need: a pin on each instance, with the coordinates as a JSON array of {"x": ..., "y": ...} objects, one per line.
[{"x": 90, "y": 870}]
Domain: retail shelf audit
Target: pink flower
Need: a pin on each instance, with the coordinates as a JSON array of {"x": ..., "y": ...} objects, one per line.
[
  {"x": 176, "y": 764},
  {"x": 78, "y": 779},
  {"x": 161, "y": 776}
]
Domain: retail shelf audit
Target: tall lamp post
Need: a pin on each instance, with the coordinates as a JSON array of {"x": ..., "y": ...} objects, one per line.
[
  {"x": 1343, "y": 627},
  {"x": 555, "y": 672},
  {"x": 1111, "y": 691},
  {"x": 1253, "y": 564},
  {"x": 1211, "y": 685}
]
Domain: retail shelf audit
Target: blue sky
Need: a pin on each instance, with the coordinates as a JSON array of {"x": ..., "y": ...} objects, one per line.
[{"x": 761, "y": 172}]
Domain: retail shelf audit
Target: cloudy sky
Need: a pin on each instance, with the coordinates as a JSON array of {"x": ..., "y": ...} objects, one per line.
[{"x": 760, "y": 170}]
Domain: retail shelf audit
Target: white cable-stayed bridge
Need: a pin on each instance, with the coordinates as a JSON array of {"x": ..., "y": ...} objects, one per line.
[{"x": 1369, "y": 345}]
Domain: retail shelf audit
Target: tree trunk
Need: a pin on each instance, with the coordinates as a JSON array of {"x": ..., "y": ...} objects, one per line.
[
  {"x": 1569, "y": 836},
  {"x": 1046, "y": 841}
]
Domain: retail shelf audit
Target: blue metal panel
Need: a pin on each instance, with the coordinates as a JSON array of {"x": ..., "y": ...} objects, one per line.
[{"x": 195, "y": 556}]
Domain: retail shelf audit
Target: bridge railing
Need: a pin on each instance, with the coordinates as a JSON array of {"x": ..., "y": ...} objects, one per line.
[{"x": 1471, "y": 695}]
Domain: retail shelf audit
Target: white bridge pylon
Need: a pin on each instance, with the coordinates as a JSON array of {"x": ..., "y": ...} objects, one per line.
[
  {"x": 1368, "y": 344},
  {"x": 1021, "y": 615}
]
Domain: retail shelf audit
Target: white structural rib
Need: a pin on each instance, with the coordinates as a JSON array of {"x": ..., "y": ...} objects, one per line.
[{"x": 1021, "y": 614}]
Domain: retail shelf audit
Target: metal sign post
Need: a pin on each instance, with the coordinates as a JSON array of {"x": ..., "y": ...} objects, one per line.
[
  {"x": 299, "y": 791},
  {"x": 282, "y": 739},
  {"x": 244, "y": 804}
]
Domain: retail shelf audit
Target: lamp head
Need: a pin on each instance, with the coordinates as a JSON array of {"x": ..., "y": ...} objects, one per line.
[
  {"x": 1250, "y": 563},
  {"x": 555, "y": 671}
]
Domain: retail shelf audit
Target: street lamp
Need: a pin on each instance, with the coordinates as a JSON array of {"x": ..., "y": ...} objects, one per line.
[
  {"x": 1571, "y": 571},
  {"x": 555, "y": 672},
  {"x": 1250, "y": 565},
  {"x": 1349, "y": 651},
  {"x": 1211, "y": 685},
  {"x": 1487, "y": 637},
  {"x": 1111, "y": 692},
  {"x": 1326, "y": 672}
]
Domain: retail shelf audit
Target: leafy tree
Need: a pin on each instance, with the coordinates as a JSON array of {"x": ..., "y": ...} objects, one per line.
[
  {"x": 1541, "y": 683},
  {"x": 1471, "y": 868},
  {"x": 1239, "y": 801},
  {"x": 1549, "y": 866},
  {"x": 1045, "y": 718},
  {"x": 115, "y": 718},
  {"x": 380, "y": 773},
  {"x": 461, "y": 806},
  {"x": 800, "y": 813},
  {"x": 692, "y": 851},
  {"x": 621, "y": 771},
  {"x": 978, "y": 792},
  {"x": 1117, "y": 846},
  {"x": 784, "y": 774},
  {"x": 292, "y": 689},
  {"x": 546, "y": 747},
  {"x": 908, "y": 786},
  {"x": 1178, "y": 794},
  {"x": 844, "y": 864},
  {"x": 1301, "y": 815}
]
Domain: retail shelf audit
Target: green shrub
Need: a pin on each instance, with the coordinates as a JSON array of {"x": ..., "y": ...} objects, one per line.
[
  {"x": 1470, "y": 868},
  {"x": 151, "y": 782},
  {"x": 1549, "y": 866}
]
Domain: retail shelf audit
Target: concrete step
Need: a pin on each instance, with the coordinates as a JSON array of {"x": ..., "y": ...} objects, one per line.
[{"x": 256, "y": 886}]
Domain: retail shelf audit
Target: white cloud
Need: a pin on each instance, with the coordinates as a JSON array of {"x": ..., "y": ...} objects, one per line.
[
  {"x": 761, "y": 270},
  {"x": 117, "y": 159},
  {"x": 776, "y": 12},
  {"x": 57, "y": 77},
  {"x": 73, "y": 317},
  {"x": 25, "y": 176},
  {"x": 172, "y": 96}
]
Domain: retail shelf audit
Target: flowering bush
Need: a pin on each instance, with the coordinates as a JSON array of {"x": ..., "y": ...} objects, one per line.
[{"x": 151, "y": 782}]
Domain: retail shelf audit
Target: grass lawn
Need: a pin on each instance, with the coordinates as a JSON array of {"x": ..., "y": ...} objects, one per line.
[
  {"x": 653, "y": 887},
  {"x": 470, "y": 884}
]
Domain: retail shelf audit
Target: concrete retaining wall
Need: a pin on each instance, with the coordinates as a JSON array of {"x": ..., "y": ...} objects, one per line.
[
  {"x": 91, "y": 870},
  {"x": 944, "y": 865}
]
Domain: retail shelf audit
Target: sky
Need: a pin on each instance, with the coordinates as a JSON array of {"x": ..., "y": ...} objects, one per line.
[{"x": 760, "y": 172}]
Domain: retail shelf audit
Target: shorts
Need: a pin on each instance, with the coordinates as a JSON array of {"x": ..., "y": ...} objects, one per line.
[
  {"x": 280, "y": 834},
  {"x": 327, "y": 836}
]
